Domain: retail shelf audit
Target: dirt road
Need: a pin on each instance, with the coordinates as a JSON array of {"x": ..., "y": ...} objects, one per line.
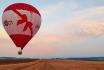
[{"x": 55, "y": 65}]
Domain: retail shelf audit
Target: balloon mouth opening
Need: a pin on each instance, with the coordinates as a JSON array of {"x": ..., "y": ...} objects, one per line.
[{"x": 20, "y": 52}]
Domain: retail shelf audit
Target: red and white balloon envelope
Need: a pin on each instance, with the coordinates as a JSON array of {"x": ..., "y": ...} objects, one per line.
[{"x": 21, "y": 21}]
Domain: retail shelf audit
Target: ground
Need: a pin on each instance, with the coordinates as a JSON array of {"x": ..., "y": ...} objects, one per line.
[{"x": 52, "y": 65}]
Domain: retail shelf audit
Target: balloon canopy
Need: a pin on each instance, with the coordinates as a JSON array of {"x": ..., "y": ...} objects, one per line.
[{"x": 21, "y": 21}]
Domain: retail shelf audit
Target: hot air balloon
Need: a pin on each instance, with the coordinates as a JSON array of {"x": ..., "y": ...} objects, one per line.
[{"x": 21, "y": 22}]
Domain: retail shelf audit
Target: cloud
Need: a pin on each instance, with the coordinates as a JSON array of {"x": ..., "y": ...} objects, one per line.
[
  {"x": 52, "y": 10},
  {"x": 61, "y": 7},
  {"x": 84, "y": 24},
  {"x": 81, "y": 25}
]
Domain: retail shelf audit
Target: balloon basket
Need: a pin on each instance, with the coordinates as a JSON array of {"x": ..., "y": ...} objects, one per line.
[{"x": 20, "y": 52}]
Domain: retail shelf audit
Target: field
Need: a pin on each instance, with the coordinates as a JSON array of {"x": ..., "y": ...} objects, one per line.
[{"x": 51, "y": 65}]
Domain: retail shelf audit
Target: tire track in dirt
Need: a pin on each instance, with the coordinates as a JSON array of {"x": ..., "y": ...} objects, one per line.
[
  {"x": 41, "y": 65},
  {"x": 32, "y": 66},
  {"x": 45, "y": 66},
  {"x": 18, "y": 66},
  {"x": 24, "y": 67}
]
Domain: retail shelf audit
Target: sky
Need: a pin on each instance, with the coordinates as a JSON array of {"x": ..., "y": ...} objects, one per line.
[{"x": 69, "y": 28}]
